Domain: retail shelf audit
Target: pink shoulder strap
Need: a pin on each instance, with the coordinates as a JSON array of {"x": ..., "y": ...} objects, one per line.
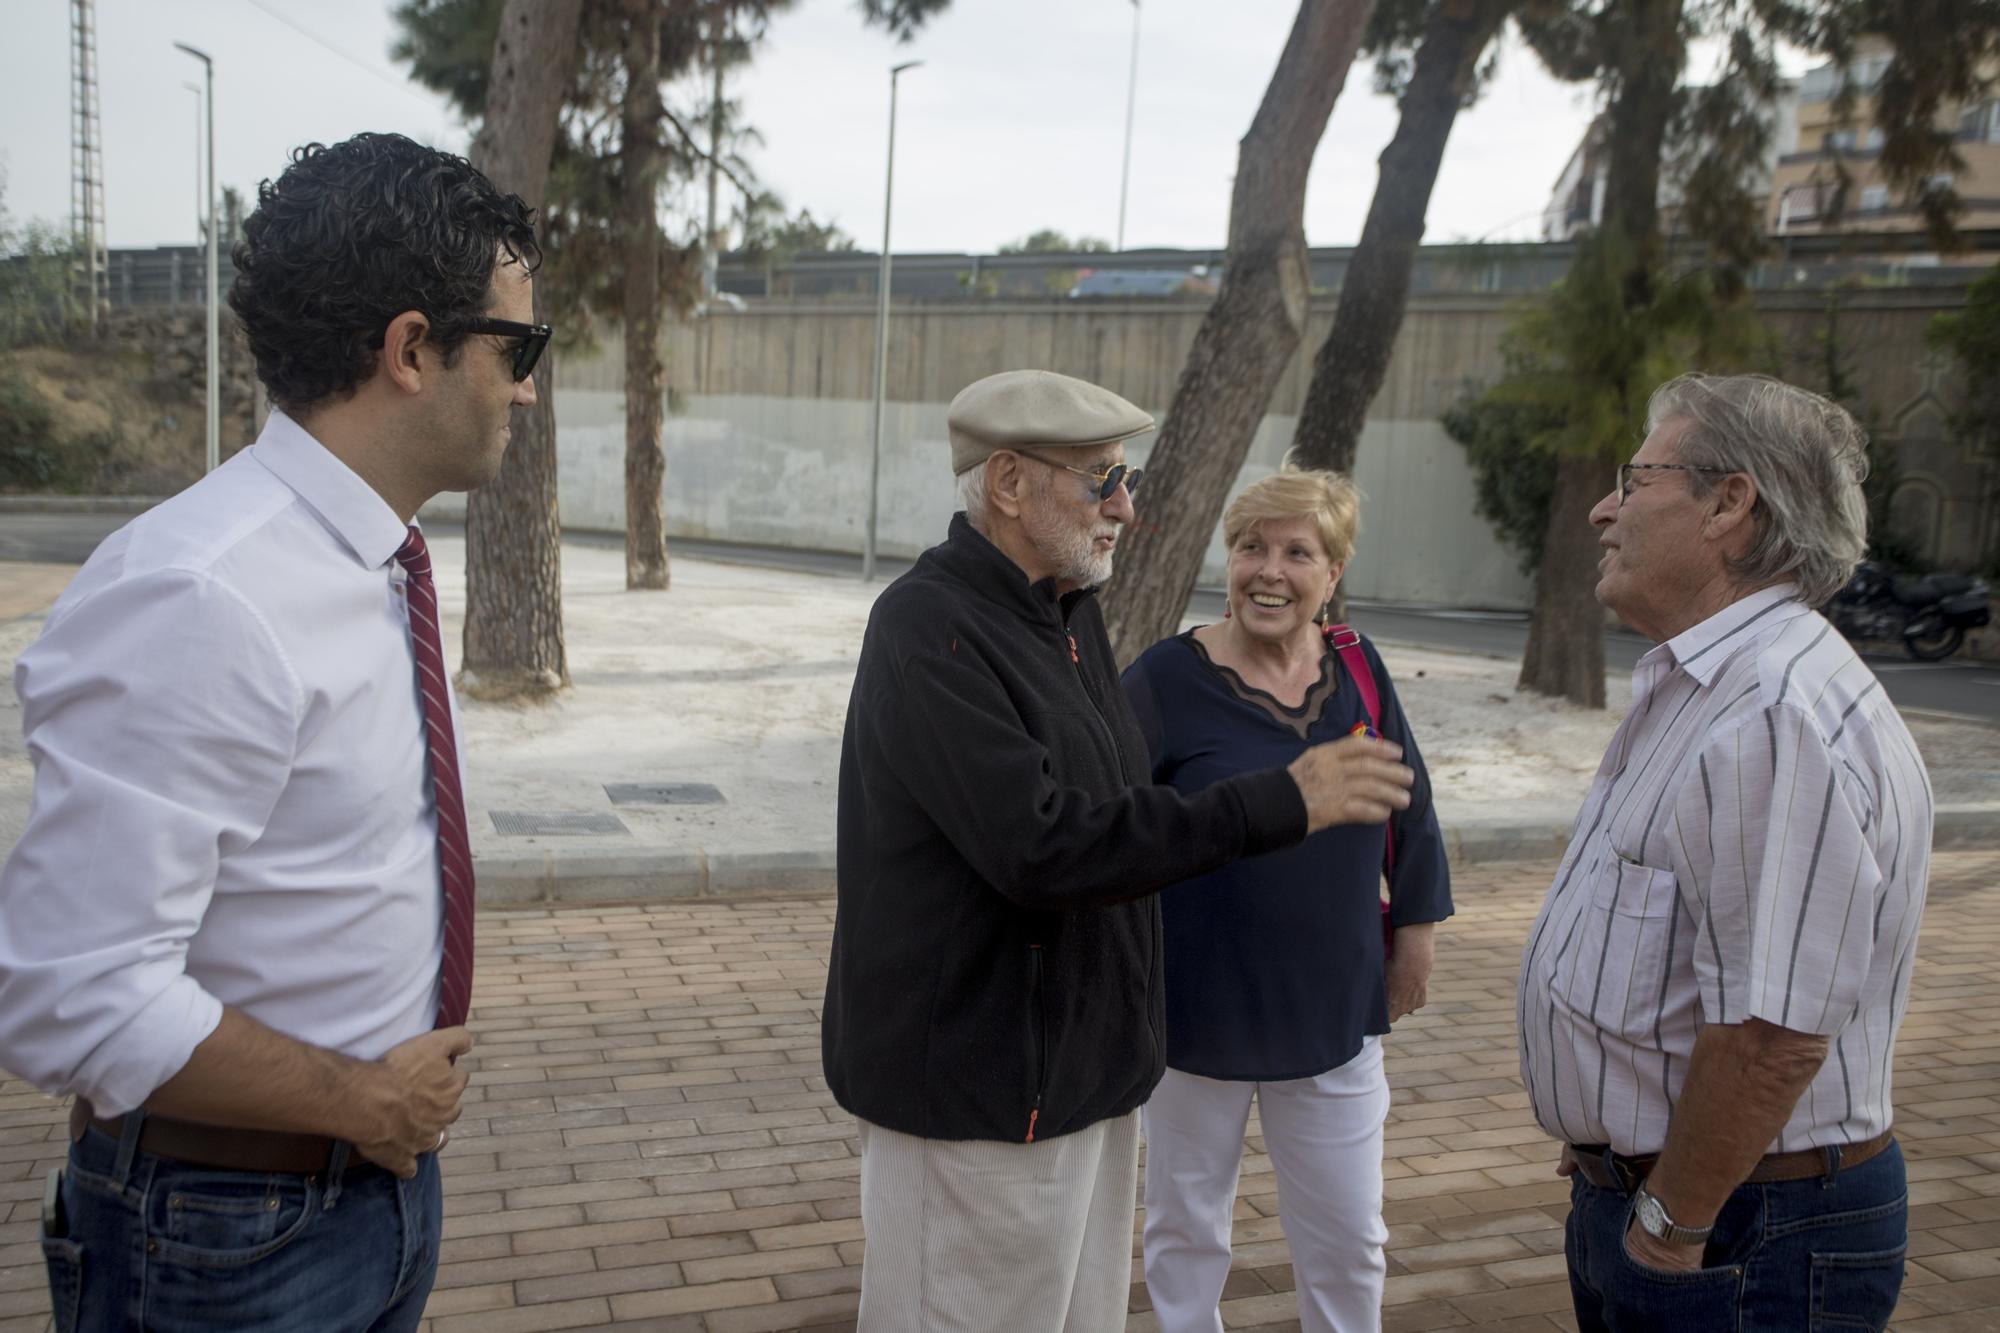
[{"x": 1347, "y": 642}]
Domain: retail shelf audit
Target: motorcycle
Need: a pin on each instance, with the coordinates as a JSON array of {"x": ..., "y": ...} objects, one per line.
[{"x": 1930, "y": 615}]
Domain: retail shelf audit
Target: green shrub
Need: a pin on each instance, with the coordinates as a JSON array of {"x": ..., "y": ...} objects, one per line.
[
  {"x": 1512, "y": 479},
  {"x": 89, "y": 462},
  {"x": 1580, "y": 363},
  {"x": 35, "y": 456},
  {"x": 38, "y": 297},
  {"x": 28, "y": 453}
]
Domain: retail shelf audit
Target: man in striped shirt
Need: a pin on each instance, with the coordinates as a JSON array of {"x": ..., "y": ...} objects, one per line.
[{"x": 1709, "y": 998}]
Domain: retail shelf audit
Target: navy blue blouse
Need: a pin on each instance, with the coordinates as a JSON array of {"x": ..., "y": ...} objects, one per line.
[{"x": 1274, "y": 964}]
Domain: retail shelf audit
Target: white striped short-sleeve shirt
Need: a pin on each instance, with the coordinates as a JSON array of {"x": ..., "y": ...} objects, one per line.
[{"x": 1755, "y": 845}]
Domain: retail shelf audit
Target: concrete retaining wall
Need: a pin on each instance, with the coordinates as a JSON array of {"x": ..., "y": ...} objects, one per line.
[
  {"x": 771, "y": 440},
  {"x": 794, "y": 472}
]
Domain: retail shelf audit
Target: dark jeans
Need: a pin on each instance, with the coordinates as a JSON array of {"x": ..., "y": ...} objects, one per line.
[
  {"x": 156, "y": 1244},
  {"x": 1798, "y": 1255}
]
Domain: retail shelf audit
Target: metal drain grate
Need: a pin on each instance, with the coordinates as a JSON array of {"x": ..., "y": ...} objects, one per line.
[
  {"x": 662, "y": 793},
  {"x": 530, "y": 823}
]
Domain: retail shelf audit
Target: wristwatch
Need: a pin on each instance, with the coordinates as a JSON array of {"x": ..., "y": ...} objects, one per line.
[{"x": 1653, "y": 1220}]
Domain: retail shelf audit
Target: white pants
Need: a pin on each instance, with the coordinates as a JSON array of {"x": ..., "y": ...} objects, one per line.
[
  {"x": 1009, "y": 1237},
  {"x": 1325, "y": 1139}
]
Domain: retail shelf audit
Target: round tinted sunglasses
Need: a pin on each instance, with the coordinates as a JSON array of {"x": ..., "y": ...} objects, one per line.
[
  {"x": 530, "y": 341},
  {"x": 1107, "y": 481}
]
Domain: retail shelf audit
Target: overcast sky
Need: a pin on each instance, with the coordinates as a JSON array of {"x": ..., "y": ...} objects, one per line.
[{"x": 1014, "y": 122}]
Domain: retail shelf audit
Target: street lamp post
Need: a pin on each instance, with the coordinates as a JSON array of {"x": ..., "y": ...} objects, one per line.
[
  {"x": 882, "y": 336},
  {"x": 195, "y": 88},
  {"x": 1131, "y": 100},
  {"x": 214, "y": 272}
]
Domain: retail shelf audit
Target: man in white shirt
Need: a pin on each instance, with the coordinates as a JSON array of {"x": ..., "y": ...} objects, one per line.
[
  {"x": 1709, "y": 1000},
  {"x": 238, "y": 925}
]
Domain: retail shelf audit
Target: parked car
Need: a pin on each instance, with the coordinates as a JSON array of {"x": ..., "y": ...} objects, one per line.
[{"x": 1143, "y": 282}]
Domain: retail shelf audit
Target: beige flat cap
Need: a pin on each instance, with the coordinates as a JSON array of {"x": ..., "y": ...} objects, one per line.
[{"x": 1022, "y": 408}]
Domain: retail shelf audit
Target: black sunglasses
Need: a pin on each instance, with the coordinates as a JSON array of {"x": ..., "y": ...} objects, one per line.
[
  {"x": 533, "y": 340},
  {"x": 1107, "y": 481}
]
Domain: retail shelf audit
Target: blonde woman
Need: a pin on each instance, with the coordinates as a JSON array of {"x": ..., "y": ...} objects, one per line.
[{"x": 1276, "y": 981}]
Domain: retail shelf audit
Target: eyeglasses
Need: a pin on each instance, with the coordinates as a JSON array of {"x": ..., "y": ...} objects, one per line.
[
  {"x": 1107, "y": 481},
  {"x": 533, "y": 340},
  {"x": 1625, "y": 471}
]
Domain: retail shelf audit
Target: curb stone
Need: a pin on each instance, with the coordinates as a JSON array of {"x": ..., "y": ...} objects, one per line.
[
  {"x": 558, "y": 876},
  {"x": 561, "y": 876},
  {"x": 1487, "y": 840},
  {"x": 77, "y": 504},
  {"x": 1955, "y": 827}
]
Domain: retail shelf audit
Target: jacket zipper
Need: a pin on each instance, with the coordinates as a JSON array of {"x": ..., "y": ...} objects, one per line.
[
  {"x": 1105, "y": 723},
  {"x": 1041, "y": 1043}
]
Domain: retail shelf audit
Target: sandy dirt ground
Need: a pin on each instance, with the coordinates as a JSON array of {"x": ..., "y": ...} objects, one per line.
[{"x": 738, "y": 677}]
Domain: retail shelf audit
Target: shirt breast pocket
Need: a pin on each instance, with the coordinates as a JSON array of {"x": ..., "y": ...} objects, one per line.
[
  {"x": 1638, "y": 917},
  {"x": 1628, "y": 887}
]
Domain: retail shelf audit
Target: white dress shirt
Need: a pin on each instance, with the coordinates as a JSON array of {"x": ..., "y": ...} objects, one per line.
[
  {"x": 1755, "y": 845},
  {"x": 232, "y": 804}
]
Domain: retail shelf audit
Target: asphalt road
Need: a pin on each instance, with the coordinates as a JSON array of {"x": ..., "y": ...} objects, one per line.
[
  {"x": 1968, "y": 689},
  {"x": 55, "y": 539}
]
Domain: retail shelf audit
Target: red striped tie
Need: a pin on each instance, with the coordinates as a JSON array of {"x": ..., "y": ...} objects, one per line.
[{"x": 454, "y": 845}]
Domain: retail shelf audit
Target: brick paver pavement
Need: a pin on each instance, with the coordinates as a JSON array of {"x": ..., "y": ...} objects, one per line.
[{"x": 648, "y": 1143}]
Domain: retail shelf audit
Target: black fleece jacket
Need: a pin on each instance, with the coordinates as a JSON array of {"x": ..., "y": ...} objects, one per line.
[{"x": 996, "y": 948}]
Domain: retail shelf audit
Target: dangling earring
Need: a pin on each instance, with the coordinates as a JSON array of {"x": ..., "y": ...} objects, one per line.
[{"x": 1226, "y": 612}]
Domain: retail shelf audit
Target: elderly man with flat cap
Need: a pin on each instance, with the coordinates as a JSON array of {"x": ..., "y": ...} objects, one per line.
[{"x": 994, "y": 1003}]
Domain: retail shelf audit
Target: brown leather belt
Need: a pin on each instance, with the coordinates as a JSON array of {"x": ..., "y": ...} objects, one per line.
[
  {"x": 185, "y": 1141},
  {"x": 1625, "y": 1173}
]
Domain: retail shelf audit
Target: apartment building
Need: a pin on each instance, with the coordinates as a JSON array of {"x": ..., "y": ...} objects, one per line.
[
  {"x": 1576, "y": 204},
  {"x": 1802, "y": 181}
]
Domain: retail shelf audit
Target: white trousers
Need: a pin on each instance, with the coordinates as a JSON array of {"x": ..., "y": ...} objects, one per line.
[
  {"x": 1324, "y": 1136},
  {"x": 1008, "y": 1237}
]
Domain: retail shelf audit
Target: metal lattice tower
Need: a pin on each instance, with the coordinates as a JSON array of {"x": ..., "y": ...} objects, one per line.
[{"x": 86, "y": 158}]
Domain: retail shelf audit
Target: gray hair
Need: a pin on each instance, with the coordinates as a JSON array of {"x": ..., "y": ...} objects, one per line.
[
  {"x": 1808, "y": 456},
  {"x": 972, "y": 493}
]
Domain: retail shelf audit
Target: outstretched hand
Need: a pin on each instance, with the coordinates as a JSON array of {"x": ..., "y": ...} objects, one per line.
[{"x": 1354, "y": 780}]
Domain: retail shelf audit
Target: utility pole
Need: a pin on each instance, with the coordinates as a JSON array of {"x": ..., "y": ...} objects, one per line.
[
  {"x": 214, "y": 458},
  {"x": 1131, "y": 102},
  {"x": 86, "y": 157},
  {"x": 882, "y": 336}
]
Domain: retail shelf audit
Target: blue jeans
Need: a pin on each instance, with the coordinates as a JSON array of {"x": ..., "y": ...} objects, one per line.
[
  {"x": 1798, "y": 1256},
  {"x": 157, "y": 1244}
]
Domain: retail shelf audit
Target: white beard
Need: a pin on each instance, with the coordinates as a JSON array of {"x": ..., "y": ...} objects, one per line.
[{"x": 1073, "y": 551}]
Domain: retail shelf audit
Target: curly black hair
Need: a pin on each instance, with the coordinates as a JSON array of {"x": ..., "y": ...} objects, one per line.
[{"x": 351, "y": 236}]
